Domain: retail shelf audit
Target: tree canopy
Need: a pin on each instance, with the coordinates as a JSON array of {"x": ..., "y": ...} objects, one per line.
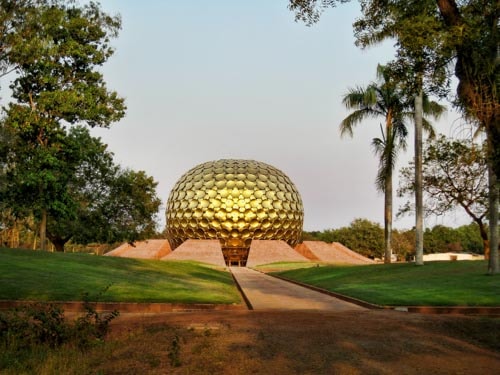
[
  {"x": 52, "y": 169},
  {"x": 435, "y": 39},
  {"x": 56, "y": 49},
  {"x": 455, "y": 176}
]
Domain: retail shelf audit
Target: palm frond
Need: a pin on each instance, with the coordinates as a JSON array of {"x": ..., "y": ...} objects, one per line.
[
  {"x": 347, "y": 125},
  {"x": 432, "y": 108},
  {"x": 385, "y": 98},
  {"x": 359, "y": 98},
  {"x": 428, "y": 128},
  {"x": 387, "y": 149},
  {"x": 400, "y": 134},
  {"x": 353, "y": 98}
]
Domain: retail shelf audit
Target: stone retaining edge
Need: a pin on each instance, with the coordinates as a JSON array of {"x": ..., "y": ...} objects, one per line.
[
  {"x": 243, "y": 295},
  {"x": 129, "y": 307}
]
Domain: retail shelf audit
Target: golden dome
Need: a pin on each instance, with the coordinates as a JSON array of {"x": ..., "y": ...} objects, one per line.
[{"x": 234, "y": 201}]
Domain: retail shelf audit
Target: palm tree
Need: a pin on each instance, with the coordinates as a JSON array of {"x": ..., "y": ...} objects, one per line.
[{"x": 385, "y": 98}]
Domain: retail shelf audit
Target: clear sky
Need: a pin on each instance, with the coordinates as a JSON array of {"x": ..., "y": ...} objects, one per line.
[{"x": 206, "y": 80}]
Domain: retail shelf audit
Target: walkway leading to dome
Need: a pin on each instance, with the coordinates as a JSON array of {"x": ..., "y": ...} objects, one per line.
[{"x": 269, "y": 293}]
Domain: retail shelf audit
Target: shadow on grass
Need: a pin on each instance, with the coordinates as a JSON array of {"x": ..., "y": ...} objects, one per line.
[{"x": 35, "y": 275}]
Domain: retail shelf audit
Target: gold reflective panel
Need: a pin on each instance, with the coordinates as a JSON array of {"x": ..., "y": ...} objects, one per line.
[{"x": 242, "y": 200}]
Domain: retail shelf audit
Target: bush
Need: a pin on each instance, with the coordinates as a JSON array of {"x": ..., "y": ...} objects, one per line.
[
  {"x": 92, "y": 327},
  {"x": 34, "y": 324},
  {"x": 34, "y": 330}
]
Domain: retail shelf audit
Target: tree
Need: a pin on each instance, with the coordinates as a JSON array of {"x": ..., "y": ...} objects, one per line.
[
  {"x": 96, "y": 200},
  {"x": 403, "y": 244},
  {"x": 126, "y": 212},
  {"x": 362, "y": 236},
  {"x": 441, "y": 239},
  {"x": 416, "y": 29},
  {"x": 381, "y": 99},
  {"x": 466, "y": 31},
  {"x": 90, "y": 171},
  {"x": 12, "y": 16},
  {"x": 386, "y": 99},
  {"x": 455, "y": 174},
  {"x": 470, "y": 238},
  {"x": 56, "y": 50}
]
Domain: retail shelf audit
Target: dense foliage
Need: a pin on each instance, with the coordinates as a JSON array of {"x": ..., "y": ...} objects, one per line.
[
  {"x": 42, "y": 328},
  {"x": 434, "y": 40},
  {"x": 55, "y": 179},
  {"x": 366, "y": 238},
  {"x": 455, "y": 176}
]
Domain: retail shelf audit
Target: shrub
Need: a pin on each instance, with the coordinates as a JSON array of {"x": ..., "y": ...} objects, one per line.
[
  {"x": 34, "y": 324},
  {"x": 93, "y": 326},
  {"x": 34, "y": 330}
]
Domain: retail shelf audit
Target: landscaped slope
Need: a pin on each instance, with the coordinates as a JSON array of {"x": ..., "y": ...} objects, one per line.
[
  {"x": 43, "y": 276},
  {"x": 435, "y": 284}
]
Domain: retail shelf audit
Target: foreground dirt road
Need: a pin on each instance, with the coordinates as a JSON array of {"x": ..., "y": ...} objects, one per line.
[{"x": 277, "y": 342}]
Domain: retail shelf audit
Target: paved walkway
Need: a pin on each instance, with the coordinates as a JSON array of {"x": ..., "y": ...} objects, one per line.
[{"x": 269, "y": 293}]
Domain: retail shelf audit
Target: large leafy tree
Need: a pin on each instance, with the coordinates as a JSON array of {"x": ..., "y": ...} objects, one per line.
[
  {"x": 455, "y": 176},
  {"x": 97, "y": 201},
  {"x": 12, "y": 15},
  {"x": 466, "y": 32},
  {"x": 125, "y": 212},
  {"x": 124, "y": 209},
  {"x": 86, "y": 172},
  {"x": 56, "y": 48},
  {"x": 385, "y": 98}
]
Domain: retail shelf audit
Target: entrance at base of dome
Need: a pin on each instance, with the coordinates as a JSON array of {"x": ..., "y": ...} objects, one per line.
[
  {"x": 236, "y": 256},
  {"x": 235, "y": 252}
]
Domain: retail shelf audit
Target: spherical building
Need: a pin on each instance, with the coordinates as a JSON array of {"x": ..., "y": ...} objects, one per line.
[{"x": 234, "y": 201}]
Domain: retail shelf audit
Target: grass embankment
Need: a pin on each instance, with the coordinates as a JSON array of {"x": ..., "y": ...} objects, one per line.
[
  {"x": 435, "y": 284},
  {"x": 43, "y": 276},
  {"x": 283, "y": 266}
]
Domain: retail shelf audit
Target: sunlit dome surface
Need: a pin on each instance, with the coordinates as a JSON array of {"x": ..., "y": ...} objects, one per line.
[{"x": 234, "y": 201}]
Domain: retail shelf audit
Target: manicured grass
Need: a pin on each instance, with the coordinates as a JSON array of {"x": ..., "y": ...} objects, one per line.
[
  {"x": 434, "y": 284},
  {"x": 44, "y": 276},
  {"x": 283, "y": 266}
]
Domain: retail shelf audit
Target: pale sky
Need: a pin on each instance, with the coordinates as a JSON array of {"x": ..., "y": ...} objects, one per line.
[{"x": 207, "y": 80}]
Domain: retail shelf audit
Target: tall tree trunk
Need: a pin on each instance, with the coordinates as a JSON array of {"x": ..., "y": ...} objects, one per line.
[
  {"x": 483, "y": 231},
  {"x": 388, "y": 218},
  {"x": 493, "y": 267},
  {"x": 43, "y": 230},
  {"x": 419, "y": 206},
  {"x": 58, "y": 241},
  {"x": 59, "y": 244},
  {"x": 477, "y": 92}
]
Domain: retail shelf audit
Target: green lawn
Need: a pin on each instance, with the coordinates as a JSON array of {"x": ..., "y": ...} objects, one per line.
[
  {"x": 435, "y": 284},
  {"x": 283, "y": 266},
  {"x": 44, "y": 276}
]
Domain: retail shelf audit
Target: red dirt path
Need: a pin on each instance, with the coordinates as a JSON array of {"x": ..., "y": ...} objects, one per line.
[{"x": 251, "y": 342}]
